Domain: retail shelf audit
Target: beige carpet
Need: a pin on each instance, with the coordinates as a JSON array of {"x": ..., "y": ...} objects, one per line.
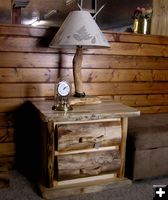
[{"x": 22, "y": 189}]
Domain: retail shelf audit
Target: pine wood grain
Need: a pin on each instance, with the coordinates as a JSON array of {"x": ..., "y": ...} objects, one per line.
[
  {"x": 7, "y": 149},
  {"x": 7, "y": 162},
  {"x": 46, "y": 60},
  {"x": 47, "y": 90},
  {"x": 124, "y": 126},
  {"x": 160, "y": 18},
  {"x": 88, "y": 164},
  {"x": 22, "y": 75},
  {"x": 23, "y": 44},
  {"x": 6, "y": 135},
  {"x": 50, "y": 155},
  {"x": 85, "y": 136},
  {"x": 49, "y": 32},
  {"x": 17, "y": 30},
  {"x": 135, "y": 38}
]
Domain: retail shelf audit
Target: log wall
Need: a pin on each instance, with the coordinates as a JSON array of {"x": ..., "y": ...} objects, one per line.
[{"x": 133, "y": 71}]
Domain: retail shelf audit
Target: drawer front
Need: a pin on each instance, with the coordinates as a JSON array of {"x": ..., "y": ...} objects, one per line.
[
  {"x": 88, "y": 135},
  {"x": 88, "y": 164}
]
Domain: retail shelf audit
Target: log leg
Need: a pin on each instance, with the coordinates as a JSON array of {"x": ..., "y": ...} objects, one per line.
[
  {"x": 50, "y": 155},
  {"x": 124, "y": 126}
]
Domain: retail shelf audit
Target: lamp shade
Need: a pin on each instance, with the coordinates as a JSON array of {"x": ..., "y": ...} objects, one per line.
[{"x": 79, "y": 29}]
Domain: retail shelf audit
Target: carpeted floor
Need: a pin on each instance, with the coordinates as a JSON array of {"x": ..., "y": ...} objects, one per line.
[{"x": 21, "y": 189}]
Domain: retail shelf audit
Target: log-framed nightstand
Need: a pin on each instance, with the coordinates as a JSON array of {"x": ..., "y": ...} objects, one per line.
[{"x": 83, "y": 150}]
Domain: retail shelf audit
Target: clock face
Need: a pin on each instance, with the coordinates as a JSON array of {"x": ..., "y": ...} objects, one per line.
[{"x": 63, "y": 88}]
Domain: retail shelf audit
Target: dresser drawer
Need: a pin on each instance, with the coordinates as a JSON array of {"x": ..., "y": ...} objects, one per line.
[
  {"x": 88, "y": 135},
  {"x": 88, "y": 164}
]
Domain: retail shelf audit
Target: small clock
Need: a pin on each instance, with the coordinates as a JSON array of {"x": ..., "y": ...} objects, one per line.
[{"x": 63, "y": 90}]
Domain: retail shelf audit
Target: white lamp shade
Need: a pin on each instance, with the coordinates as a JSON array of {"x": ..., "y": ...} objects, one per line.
[{"x": 79, "y": 29}]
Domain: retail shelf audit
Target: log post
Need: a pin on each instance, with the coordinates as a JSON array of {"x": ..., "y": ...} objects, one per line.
[
  {"x": 50, "y": 155},
  {"x": 159, "y": 25},
  {"x": 124, "y": 122}
]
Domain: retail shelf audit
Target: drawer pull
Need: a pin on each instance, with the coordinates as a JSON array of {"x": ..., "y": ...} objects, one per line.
[
  {"x": 96, "y": 145},
  {"x": 91, "y": 139},
  {"x": 92, "y": 172}
]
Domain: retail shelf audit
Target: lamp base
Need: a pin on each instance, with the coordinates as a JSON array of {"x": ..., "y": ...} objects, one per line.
[
  {"x": 84, "y": 100},
  {"x": 79, "y": 94},
  {"x": 65, "y": 107}
]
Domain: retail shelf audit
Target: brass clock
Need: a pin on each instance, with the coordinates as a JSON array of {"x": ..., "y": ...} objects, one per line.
[{"x": 63, "y": 90}]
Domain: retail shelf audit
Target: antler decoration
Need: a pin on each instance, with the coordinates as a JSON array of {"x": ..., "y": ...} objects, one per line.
[{"x": 68, "y": 2}]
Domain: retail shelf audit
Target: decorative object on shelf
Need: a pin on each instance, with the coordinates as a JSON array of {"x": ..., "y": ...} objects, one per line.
[
  {"x": 68, "y": 2},
  {"x": 61, "y": 100},
  {"x": 142, "y": 20},
  {"x": 79, "y": 31}
]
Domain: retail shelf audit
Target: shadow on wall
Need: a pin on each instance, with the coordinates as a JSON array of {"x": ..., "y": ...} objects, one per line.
[{"x": 27, "y": 139}]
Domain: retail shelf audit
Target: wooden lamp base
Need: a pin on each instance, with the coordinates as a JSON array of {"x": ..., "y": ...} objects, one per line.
[
  {"x": 79, "y": 97},
  {"x": 84, "y": 100}
]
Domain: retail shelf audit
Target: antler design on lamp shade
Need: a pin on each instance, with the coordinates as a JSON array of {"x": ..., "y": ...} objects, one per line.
[{"x": 79, "y": 31}]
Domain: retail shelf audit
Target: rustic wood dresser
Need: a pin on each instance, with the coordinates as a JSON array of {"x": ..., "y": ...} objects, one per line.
[{"x": 84, "y": 149}]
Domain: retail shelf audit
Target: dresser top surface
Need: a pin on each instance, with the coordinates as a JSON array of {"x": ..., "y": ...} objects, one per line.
[{"x": 105, "y": 110}]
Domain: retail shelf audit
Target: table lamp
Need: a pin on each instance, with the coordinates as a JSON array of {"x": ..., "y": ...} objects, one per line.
[{"x": 79, "y": 31}]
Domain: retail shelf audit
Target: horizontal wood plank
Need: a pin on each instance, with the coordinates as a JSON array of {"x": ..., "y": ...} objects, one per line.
[
  {"x": 6, "y": 135},
  {"x": 50, "y": 32},
  {"x": 7, "y": 162},
  {"x": 7, "y": 149},
  {"x": 126, "y": 88},
  {"x": 153, "y": 109},
  {"x": 47, "y": 75},
  {"x": 120, "y": 62},
  {"x": 142, "y": 100},
  {"x": 47, "y": 90},
  {"x": 29, "y": 31},
  {"x": 109, "y": 148},
  {"x": 135, "y": 38},
  {"x": 32, "y": 60},
  {"x": 52, "y": 60},
  {"x": 8, "y": 104},
  {"x": 24, "y": 44}
]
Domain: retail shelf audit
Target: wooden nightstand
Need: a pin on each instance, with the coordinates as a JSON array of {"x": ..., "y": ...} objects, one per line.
[{"x": 83, "y": 149}]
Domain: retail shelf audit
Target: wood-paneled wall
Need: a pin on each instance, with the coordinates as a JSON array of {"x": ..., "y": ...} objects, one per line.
[{"x": 133, "y": 71}]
